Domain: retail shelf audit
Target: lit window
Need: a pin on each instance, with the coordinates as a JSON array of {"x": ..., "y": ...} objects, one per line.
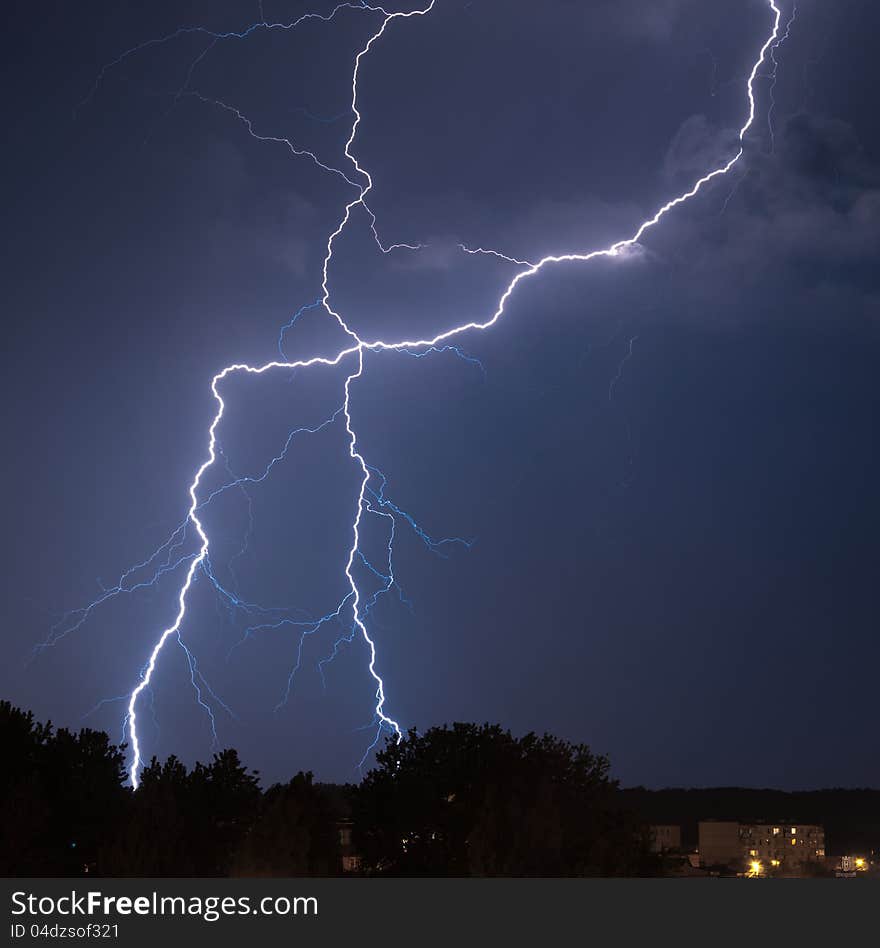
[
  {"x": 794, "y": 831},
  {"x": 753, "y": 852},
  {"x": 794, "y": 842},
  {"x": 776, "y": 831}
]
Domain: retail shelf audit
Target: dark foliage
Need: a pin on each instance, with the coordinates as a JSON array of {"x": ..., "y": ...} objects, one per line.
[
  {"x": 475, "y": 801},
  {"x": 294, "y": 834},
  {"x": 465, "y": 800},
  {"x": 61, "y": 796},
  {"x": 65, "y": 811},
  {"x": 182, "y": 823}
]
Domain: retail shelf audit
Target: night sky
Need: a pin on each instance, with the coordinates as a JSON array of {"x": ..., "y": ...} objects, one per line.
[{"x": 667, "y": 461}]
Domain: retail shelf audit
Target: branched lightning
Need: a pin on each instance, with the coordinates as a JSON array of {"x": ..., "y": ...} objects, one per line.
[
  {"x": 495, "y": 253},
  {"x": 371, "y": 498},
  {"x": 774, "y": 73}
]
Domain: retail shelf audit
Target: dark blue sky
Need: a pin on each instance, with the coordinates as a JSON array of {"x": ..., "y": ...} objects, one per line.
[{"x": 668, "y": 462}]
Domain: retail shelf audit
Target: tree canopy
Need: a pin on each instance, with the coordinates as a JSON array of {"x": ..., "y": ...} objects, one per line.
[
  {"x": 466, "y": 800},
  {"x": 471, "y": 800},
  {"x": 61, "y": 793}
]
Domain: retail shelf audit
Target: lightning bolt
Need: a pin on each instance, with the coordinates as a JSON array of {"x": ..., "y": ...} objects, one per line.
[
  {"x": 352, "y": 357},
  {"x": 774, "y": 73},
  {"x": 623, "y": 362}
]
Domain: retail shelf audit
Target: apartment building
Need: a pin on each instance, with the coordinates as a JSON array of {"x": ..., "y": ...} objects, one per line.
[{"x": 760, "y": 847}]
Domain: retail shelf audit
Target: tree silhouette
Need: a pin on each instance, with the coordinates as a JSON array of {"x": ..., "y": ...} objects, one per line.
[
  {"x": 474, "y": 800},
  {"x": 61, "y": 796},
  {"x": 183, "y": 823},
  {"x": 465, "y": 800},
  {"x": 294, "y": 834}
]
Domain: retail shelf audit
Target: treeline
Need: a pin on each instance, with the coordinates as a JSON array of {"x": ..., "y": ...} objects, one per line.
[
  {"x": 465, "y": 800},
  {"x": 851, "y": 818}
]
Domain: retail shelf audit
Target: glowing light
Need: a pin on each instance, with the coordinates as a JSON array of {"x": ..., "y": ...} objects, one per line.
[{"x": 353, "y": 353}]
